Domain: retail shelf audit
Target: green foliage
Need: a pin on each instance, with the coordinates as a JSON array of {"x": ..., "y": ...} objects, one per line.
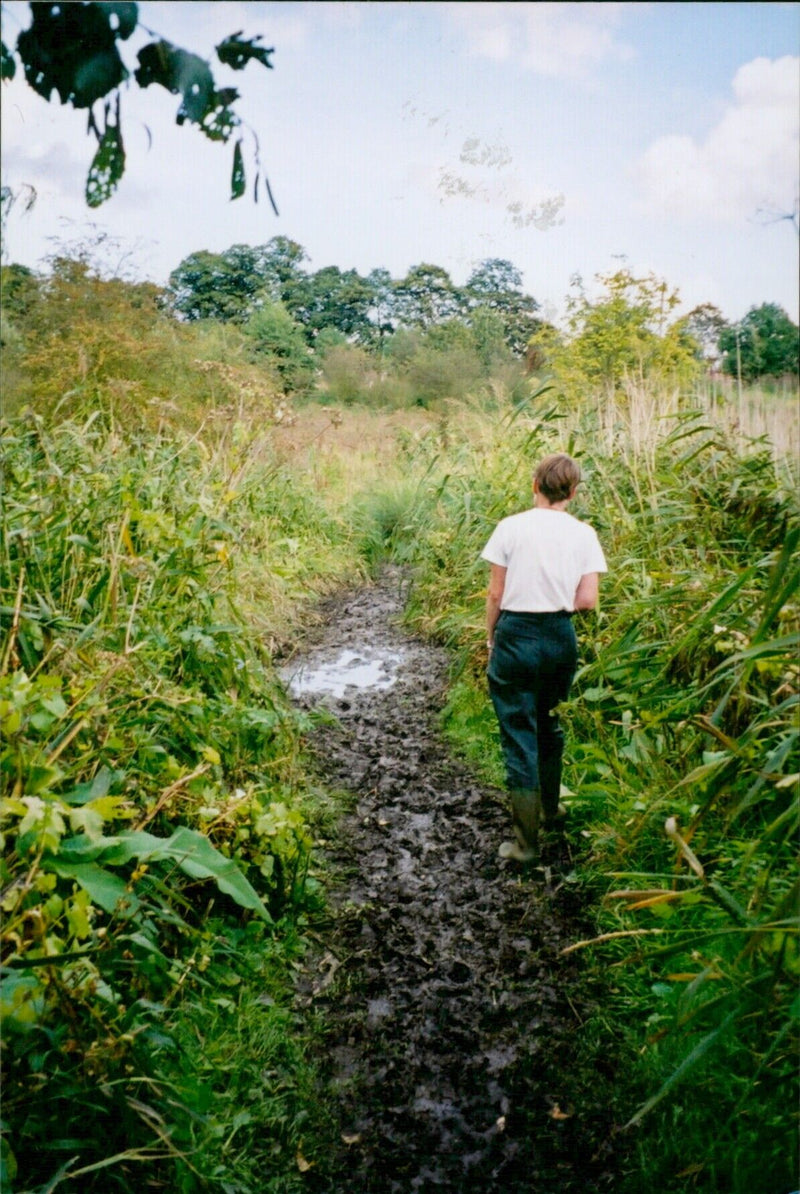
[
  {"x": 764, "y": 344},
  {"x": 218, "y": 1126},
  {"x": 705, "y": 324},
  {"x": 491, "y": 315},
  {"x": 278, "y": 338},
  {"x": 683, "y": 760},
  {"x": 625, "y": 336},
  {"x": 108, "y": 164},
  {"x": 86, "y": 346},
  {"x": 18, "y": 290},
  {"x": 225, "y": 286},
  {"x": 252, "y": 1121},
  {"x": 330, "y": 299},
  {"x": 231, "y": 285},
  {"x": 157, "y": 815},
  {"x": 436, "y": 374},
  {"x": 73, "y": 50},
  {"x": 496, "y": 286},
  {"x": 348, "y": 373},
  {"x": 150, "y": 770},
  {"x": 488, "y": 335},
  {"x": 383, "y": 519},
  {"x": 425, "y": 296}
]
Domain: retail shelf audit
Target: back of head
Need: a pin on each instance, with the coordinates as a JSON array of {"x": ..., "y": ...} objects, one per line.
[{"x": 557, "y": 476}]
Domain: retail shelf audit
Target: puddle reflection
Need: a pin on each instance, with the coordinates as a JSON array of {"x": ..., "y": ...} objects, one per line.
[{"x": 376, "y": 668}]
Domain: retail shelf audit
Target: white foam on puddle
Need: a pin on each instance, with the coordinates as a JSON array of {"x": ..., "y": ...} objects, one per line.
[{"x": 375, "y": 668}]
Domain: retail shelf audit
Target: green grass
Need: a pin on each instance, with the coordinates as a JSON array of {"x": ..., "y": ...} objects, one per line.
[
  {"x": 685, "y": 708},
  {"x": 164, "y": 541},
  {"x": 241, "y": 1063}
]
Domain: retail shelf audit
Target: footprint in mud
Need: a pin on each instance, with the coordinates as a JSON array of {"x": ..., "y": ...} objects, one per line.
[{"x": 451, "y": 1052}]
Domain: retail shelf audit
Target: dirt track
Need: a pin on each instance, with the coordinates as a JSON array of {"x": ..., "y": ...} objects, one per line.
[{"x": 453, "y": 1019}]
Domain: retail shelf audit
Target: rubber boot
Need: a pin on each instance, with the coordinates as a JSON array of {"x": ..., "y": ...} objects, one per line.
[
  {"x": 526, "y": 811},
  {"x": 556, "y": 820}
]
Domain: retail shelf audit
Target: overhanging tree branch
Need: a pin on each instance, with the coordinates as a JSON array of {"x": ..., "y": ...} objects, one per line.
[{"x": 74, "y": 50}]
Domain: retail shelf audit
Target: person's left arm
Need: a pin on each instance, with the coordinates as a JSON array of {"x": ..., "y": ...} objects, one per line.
[{"x": 494, "y": 596}]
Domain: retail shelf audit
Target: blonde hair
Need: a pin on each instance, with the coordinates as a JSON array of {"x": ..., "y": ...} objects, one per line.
[{"x": 557, "y": 476}]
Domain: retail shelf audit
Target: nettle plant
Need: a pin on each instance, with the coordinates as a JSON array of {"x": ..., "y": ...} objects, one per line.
[{"x": 144, "y": 752}]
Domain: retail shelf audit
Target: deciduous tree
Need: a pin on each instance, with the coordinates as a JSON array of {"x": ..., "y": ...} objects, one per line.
[
  {"x": 763, "y": 344},
  {"x": 705, "y": 324},
  {"x": 280, "y": 341},
  {"x": 496, "y": 285},
  {"x": 233, "y": 284},
  {"x": 425, "y": 296},
  {"x": 331, "y": 298},
  {"x": 626, "y": 333}
]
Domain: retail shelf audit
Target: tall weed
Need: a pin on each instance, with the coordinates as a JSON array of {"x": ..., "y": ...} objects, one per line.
[
  {"x": 151, "y": 770},
  {"x": 683, "y": 760}
]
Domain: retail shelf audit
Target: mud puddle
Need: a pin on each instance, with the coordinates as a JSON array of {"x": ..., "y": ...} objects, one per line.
[
  {"x": 321, "y": 675},
  {"x": 452, "y": 1056}
]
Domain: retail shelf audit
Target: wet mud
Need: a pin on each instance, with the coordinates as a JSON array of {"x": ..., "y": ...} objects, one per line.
[{"x": 455, "y": 1057}]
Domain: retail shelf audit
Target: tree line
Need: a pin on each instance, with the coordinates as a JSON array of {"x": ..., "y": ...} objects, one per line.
[
  {"x": 421, "y": 337},
  {"x": 331, "y": 304},
  {"x": 632, "y": 323}
]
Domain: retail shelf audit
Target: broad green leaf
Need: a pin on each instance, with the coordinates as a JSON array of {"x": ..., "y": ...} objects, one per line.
[
  {"x": 238, "y": 180},
  {"x": 87, "y": 819},
  {"x": 195, "y": 855},
  {"x": 95, "y": 788},
  {"x": 42, "y": 776},
  {"x": 71, "y": 48},
  {"x": 21, "y": 1000},
  {"x": 126, "y": 14},
  {"x": 105, "y": 889},
  {"x": 83, "y": 849},
  {"x": 8, "y": 66},
  {"x": 78, "y": 915}
]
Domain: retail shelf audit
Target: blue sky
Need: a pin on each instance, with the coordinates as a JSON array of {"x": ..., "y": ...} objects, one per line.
[{"x": 567, "y": 138}]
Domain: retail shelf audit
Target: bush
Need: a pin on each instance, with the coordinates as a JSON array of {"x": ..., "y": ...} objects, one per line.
[
  {"x": 348, "y": 374},
  {"x": 149, "y": 771},
  {"x": 436, "y": 374},
  {"x": 279, "y": 341}
]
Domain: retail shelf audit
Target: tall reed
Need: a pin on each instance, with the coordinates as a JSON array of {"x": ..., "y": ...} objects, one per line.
[{"x": 685, "y": 753}]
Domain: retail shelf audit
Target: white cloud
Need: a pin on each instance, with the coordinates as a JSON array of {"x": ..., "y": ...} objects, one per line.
[
  {"x": 749, "y": 160},
  {"x": 552, "y": 39}
]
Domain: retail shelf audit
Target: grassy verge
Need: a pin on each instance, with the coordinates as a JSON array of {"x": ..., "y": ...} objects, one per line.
[
  {"x": 683, "y": 763},
  {"x": 147, "y": 581},
  {"x": 152, "y": 778}
]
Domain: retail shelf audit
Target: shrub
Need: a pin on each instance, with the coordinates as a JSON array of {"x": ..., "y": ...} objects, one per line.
[
  {"x": 279, "y": 341},
  {"x": 436, "y": 374},
  {"x": 348, "y": 373}
]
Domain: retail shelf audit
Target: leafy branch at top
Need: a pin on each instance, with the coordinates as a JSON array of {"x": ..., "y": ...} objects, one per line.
[{"x": 73, "y": 50}]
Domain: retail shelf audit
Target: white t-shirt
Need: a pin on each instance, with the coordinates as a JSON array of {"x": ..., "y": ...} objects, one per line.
[{"x": 545, "y": 552}]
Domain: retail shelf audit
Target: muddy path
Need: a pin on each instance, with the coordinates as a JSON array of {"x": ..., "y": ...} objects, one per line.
[{"x": 452, "y": 1052}]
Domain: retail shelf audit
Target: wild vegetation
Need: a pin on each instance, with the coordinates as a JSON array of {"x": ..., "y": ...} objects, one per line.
[
  {"x": 683, "y": 770},
  {"x": 177, "y": 491}
]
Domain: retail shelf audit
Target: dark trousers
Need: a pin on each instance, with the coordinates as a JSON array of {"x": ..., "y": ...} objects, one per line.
[{"x": 530, "y": 670}]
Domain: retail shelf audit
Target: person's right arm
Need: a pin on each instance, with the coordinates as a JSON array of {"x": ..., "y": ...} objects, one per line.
[
  {"x": 494, "y": 597},
  {"x": 588, "y": 591}
]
